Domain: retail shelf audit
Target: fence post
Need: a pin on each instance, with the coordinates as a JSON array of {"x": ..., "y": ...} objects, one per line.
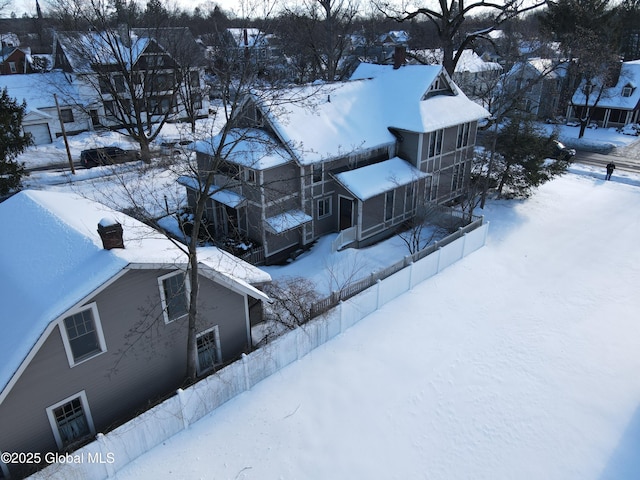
[
  {"x": 486, "y": 230},
  {"x": 378, "y": 284},
  {"x": 245, "y": 371},
  {"x": 341, "y": 307},
  {"x": 439, "y": 253},
  {"x": 106, "y": 455},
  {"x": 183, "y": 408},
  {"x": 464, "y": 244},
  {"x": 408, "y": 262}
]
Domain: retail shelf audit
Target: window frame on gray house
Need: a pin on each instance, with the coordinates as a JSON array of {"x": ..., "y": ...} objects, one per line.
[
  {"x": 212, "y": 343},
  {"x": 81, "y": 399},
  {"x": 71, "y": 344},
  {"x": 389, "y": 200},
  {"x": 168, "y": 316},
  {"x": 436, "y": 139},
  {"x": 324, "y": 207}
]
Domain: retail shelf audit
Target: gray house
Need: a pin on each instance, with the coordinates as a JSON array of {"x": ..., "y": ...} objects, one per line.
[
  {"x": 94, "y": 319},
  {"x": 356, "y": 157}
]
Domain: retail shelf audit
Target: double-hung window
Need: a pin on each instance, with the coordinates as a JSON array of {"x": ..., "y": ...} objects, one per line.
[
  {"x": 463, "y": 135},
  {"x": 174, "y": 296},
  {"x": 208, "y": 347},
  {"x": 71, "y": 420},
  {"x": 435, "y": 143},
  {"x": 82, "y": 335},
  {"x": 66, "y": 115},
  {"x": 324, "y": 207}
]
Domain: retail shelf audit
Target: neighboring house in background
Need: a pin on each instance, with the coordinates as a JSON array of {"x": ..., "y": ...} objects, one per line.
[
  {"x": 94, "y": 322},
  {"x": 258, "y": 42},
  {"x": 41, "y": 119},
  {"x": 476, "y": 77},
  {"x": 541, "y": 84},
  {"x": 617, "y": 106},
  {"x": 154, "y": 68},
  {"x": 358, "y": 156},
  {"x": 394, "y": 38},
  {"x": 15, "y": 60}
]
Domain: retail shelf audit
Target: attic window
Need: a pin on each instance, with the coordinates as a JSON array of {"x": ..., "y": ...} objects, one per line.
[
  {"x": 626, "y": 91},
  {"x": 439, "y": 86}
]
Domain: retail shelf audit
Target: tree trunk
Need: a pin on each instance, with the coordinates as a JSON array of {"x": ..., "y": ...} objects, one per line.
[
  {"x": 145, "y": 152},
  {"x": 583, "y": 127}
]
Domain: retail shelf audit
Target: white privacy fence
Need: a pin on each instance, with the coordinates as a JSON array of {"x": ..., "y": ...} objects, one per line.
[{"x": 109, "y": 453}]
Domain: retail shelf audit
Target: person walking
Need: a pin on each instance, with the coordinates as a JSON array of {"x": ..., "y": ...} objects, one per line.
[{"x": 610, "y": 168}]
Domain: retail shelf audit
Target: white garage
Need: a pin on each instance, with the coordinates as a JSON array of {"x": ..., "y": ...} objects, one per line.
[{"x": 39, "y": 132}]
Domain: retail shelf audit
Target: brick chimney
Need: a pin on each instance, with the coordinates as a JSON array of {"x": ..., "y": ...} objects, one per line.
[
  {"x": 111, "y": 233},
  {"x": 399, "y": 57}
]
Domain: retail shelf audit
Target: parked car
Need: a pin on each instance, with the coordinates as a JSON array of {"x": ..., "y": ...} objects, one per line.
[
  {"x": 173, "y": 147},
  {"x": 94, "y": 157},
  {"x": 562, "y": 152}
]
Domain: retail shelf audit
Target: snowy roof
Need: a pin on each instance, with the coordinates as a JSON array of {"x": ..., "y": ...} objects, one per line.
[
  {"x": 395, "y": 37},
  {"x": 287, "y": 221},
  {"x": 37, "y": 89},
  {"x": 216, "y": 192},
  {"x": 53, "y": 254},
  {"x": 249, "y": 147},
  {"x": 612, "y": 96},
  {"x": 469, "y": 60},
  {"x": 255, "y": 37},
  {"x": 337, "y": 119},
  {"x": 226, "y": 263},
  {"x": 83, "y": 49},
  {"x": 376, "y": 179}
]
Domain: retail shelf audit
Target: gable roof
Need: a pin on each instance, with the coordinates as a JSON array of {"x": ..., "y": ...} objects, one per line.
[
  {"x": 84, "y": 49},
  {"x": 37, "y": 89},
  {"x": 612, "y": 96},
  {"x": 52, "y": 259},
  {"x": 341, "y": 118}
]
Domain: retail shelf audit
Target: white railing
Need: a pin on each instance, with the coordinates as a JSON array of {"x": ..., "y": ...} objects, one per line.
[{"x": 345, "y": 237}]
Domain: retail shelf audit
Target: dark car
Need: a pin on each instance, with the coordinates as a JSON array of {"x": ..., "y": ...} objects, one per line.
[
  {"x": 563, "y": 153},
  {"x": 94, "y": 157}
]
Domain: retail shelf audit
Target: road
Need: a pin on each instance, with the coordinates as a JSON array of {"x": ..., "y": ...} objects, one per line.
[{"x": 626, "y": 158}]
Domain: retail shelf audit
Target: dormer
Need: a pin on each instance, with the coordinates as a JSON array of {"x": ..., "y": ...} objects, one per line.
[
  {"x": 628, "y": 89},
  {"x": 441, "y": 85}
]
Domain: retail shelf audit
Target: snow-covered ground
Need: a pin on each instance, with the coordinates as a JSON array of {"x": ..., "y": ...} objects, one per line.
[{"x": 521, "y": 361}]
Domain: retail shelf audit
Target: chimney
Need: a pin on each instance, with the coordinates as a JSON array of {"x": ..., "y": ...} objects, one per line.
[
  {"x": 399, "y": 57},
  {"x": 111, "y": 233}
]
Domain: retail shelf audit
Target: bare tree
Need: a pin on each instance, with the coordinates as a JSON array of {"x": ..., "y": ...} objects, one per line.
[
  {"x": 449, "y": 16},
  {"x": 320, "y": 31},
  {"x": 141, "y": 78}
]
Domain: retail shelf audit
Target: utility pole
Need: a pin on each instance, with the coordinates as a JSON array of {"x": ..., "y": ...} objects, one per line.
[{"x": 64, "y": 135}]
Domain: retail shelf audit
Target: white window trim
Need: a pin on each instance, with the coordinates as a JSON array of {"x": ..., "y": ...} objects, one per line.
[
  {"x": 163, "y": 299},
  {"x": 218, "y": 349},
  {"x": 65, "y": 337},
  {"x": 85, "y": 408},
  {"x": 328, "y": 211},
  {"x": 13, "y": 67}
]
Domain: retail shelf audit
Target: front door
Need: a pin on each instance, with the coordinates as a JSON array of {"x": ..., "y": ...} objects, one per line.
[{"x": 346, "y": 213}]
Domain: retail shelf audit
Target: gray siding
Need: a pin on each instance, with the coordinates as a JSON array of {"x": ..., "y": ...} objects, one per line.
[{"x": 134, "y": 371}]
